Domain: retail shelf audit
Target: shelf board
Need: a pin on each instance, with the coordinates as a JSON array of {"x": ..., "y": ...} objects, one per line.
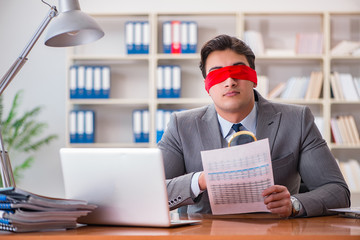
[
  {"x": 195, "y": 101},
  {"x": 345, "y": 57},
  {"x": 344, "y": 146},
  {"x": 332, "y": 101},
  {"x": 111, "y": 145},
  {"x": 290, "y": 57},
  {"x": 110, "y": 101},
  {"x": 163, "y": 56},
  {"x": 298, "y": 101},
  {"x": 107, "y": 58}
]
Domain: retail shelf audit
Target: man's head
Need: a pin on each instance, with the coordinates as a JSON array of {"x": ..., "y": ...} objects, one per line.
[
  {"x": 223, "y": 42},
  {"x": 227, "y": 63}
]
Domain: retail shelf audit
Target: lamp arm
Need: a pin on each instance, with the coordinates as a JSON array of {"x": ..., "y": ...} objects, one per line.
[
  {"x": 7, "y": 174},
  {"x": 20, "y": 61}
]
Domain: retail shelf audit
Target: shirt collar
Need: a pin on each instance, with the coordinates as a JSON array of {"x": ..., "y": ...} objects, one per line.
[{"x": 249, "y": 123}]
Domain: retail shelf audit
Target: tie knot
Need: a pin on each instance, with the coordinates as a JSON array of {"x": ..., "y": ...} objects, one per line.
[{"x": 237, "y": 127}]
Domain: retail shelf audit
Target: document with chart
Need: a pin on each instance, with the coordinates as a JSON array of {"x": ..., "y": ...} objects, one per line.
[{"x": 236, "y": 177}]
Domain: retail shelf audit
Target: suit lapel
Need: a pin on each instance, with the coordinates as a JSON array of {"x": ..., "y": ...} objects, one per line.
[
  {"x": 209, "y": 130},
  {"x": 268, "y": 121}
]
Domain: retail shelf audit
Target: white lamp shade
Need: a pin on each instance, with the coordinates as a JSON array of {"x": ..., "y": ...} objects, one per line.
[{"x": 72, "y": 28}]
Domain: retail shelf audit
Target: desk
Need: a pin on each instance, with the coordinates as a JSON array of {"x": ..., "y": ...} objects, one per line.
[{"x": 246, "y": 226}]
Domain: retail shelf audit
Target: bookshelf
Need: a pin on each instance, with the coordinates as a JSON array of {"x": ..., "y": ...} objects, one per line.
[{"x": 133, "y": 77}]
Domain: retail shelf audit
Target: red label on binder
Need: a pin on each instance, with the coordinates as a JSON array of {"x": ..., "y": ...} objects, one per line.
[{"x": 175, "y": 33}]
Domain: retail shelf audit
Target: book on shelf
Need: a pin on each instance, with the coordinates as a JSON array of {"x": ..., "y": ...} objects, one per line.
[
  {"x": 137, "y": 37},
  {"x": 346, "y": 47},
  {"x": 23, "y": 211},
  {"x": 305, "y": 87},
  {"x": 345, "y": 87},
  {"x": 180, "y": 37},
  {"x": 344, "y": 130},
  {"x": 168, "y": 81},
  {"x": 89, "y": 82},
  {"x": 141, "y": 125},
  {"x": 295, "y": 88},
  {"x": 351, "y": 172},
  {"x": 82, "y": 126},
  {"x": 309, "y": 43},
  {"x": 277, "y": 90},
  {"x": 255, "y": 41},
  {"x": 315, "y": 86}
]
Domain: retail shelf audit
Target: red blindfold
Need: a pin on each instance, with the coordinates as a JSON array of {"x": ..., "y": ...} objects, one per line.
[{"x": 241, "y": 72}]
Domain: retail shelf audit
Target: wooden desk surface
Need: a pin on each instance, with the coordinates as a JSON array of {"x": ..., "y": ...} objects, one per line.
[{"x": 246, "y": 226}]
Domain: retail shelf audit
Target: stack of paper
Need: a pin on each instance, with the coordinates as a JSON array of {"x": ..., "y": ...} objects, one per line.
[{"x": 22, "y": 211}]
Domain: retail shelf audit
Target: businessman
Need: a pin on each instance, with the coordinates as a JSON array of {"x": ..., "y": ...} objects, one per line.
[{"x": 298, "y": 151}]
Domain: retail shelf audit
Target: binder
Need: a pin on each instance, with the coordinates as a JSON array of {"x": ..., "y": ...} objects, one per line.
[
  {"x": 80, "y": 126},
  {"x": 145, "y": 37},
  {"x": 72, "y": 126},
  {"x": 89, "y": 126},
  {"x": 137, "y": 37},
  {"x": 145, "y": 126},
  {"x": 175, "y": 35},
  {"x": 97, "y": 82},
  {"x": 176, "y": 82},
  {"x": 73, "y": 81},
  {"x": 105, "y": 82},
  {"x": 81, "y": 82},
  {"x": 184, "y": 30},
  {"x": 89, "y": 82},
  {"x": 129, "y": 37},
  {"x": 167, "y": 37},
  {"x": 193, "y": 37},
  {"x": 137, "y": 125},
  {"x": 167, "y": 81},
  {"x": 160, "y": 126},
  {"x": 160, "y": 82}
]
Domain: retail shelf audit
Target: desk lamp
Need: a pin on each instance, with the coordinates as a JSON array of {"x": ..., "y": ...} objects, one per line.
[{"x": 71, "y": 27}]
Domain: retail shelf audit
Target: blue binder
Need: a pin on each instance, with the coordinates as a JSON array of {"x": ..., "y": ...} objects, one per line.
[
  {"x": 137, "y": 37},
  {"x": 160, "y": 82},
  {"x": 105, "y": 82},
  {"x": 97, "y": 82},
  {"x": 160, "y": 126},
  {"x": 167, "y": 40},
  {"x": 193, "y": 36},
  {"x": 73, "y": 81},
  {"x": 89, "y": 82},
  {"x": 129, "y": 37},
  {"x": 80, "y": 82},
  {"x": 89, "y": 126},
  {"x": 73, "y": 127},
  {"x": 145, "y": 37},
  {"x": 175, "y": 82}
]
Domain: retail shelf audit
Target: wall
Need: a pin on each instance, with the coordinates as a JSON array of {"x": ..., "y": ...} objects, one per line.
[{"x": 43, "y": 76}]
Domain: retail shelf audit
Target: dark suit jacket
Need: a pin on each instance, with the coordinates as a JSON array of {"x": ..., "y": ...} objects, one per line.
[{"x": 298, "y": 151}]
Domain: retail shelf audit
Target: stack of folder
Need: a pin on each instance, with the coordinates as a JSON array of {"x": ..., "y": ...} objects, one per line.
[
  {"x": 137, "y": 37},
  {"x": 22, "y": 211},
  {"x": 89, "y": 82},
  {"x": 180, "y": 37},
  {"x": 82, "y": 126},
  {"x": 168, "y": 81}
]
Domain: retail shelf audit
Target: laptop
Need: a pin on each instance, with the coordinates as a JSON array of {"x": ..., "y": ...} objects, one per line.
[{"x": 127, "y": 185}]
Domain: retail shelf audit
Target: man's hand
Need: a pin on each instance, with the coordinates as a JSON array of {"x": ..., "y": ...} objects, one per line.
[
  {"x": 277, "y": 200},
  {"x": 202, "y": 182}
]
